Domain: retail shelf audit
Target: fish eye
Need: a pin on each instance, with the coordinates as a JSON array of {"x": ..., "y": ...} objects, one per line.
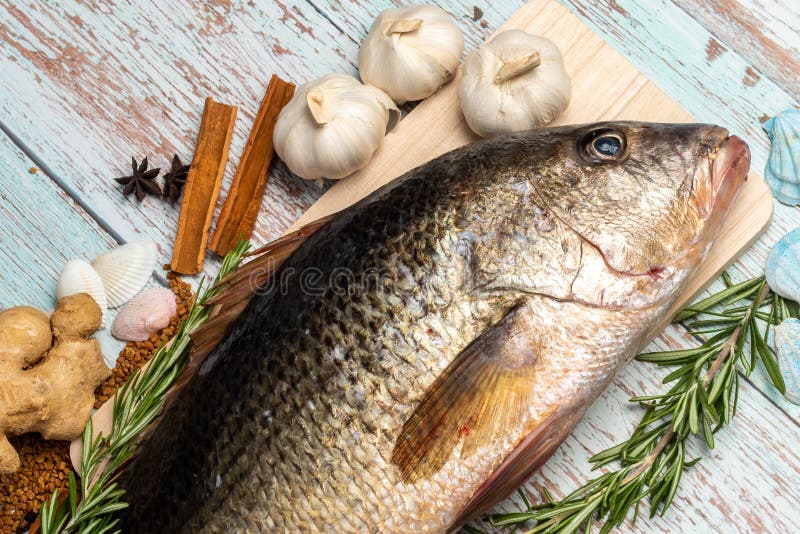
[
  {"x": 608, "y": 145},
  {"x": 603, "y": 145}
]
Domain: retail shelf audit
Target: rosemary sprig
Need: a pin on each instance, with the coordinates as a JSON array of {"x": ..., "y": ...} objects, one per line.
[
  {"x": 701, "y": 401},
  {"x": 91, "y": 504}
]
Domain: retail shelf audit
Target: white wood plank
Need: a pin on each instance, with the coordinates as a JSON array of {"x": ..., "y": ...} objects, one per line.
[{"x": 762, "y": 31}]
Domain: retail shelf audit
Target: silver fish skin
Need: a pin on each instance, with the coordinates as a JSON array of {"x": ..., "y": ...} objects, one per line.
[{"x": 419, "y": 356}]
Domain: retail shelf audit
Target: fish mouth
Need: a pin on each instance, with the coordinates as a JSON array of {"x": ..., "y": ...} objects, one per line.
[
  {"x": 729, "y": 170},
  {"x": 722, "y": 178}
]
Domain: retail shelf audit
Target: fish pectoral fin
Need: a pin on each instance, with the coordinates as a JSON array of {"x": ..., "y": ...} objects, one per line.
[{"x": 486, "y": 389}]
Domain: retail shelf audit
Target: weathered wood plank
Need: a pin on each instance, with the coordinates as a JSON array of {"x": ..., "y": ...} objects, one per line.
[
  {"x": 764, "y": 33},
  {"x": 42, "y": 230}
]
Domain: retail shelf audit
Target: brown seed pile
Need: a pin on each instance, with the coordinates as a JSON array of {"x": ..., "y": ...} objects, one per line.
[
  {"x": 46, "y": 464},
  {"x": 137, "y": 353},
  {"x": 45, "y": 467}
]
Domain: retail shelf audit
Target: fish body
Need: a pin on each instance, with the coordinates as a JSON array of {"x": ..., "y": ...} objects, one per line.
[{"x": 420, "y": 355}]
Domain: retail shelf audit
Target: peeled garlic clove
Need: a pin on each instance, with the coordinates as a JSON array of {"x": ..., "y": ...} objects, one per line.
[
  {"x": 410, "y": 52},
  {"x": 149, "y": 312},
  {"x": 125, "y": 270},
  {"x": 79, "y": 277},
  {"x": 331, "y": 127},
  {"x": 515, "y": 82}
]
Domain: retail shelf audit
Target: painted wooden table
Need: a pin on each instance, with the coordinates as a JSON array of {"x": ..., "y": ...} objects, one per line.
[{"x": 85, "y": 84}]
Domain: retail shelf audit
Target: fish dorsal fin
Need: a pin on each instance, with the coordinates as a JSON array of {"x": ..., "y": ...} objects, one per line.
[{"x": 487, "y": 388}]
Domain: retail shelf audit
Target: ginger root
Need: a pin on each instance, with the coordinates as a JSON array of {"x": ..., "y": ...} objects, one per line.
[{"x": 48, "y": 387}]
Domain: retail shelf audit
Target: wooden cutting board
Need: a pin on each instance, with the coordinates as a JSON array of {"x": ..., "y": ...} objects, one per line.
[{"x": 605, "y": 86}]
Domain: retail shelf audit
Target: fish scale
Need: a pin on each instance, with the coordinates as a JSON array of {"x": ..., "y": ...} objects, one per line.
[{"x": 463, "y": 319}]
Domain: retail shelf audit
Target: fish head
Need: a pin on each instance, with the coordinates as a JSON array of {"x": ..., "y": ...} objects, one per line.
[{"x": 648, "y": 198}]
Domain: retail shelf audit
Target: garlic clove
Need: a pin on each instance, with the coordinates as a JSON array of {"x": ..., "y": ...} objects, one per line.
[
  {"x": 410, "y": 52},
  {"x": 513, "y": 82},
  {"x": 332, "y": 127}
]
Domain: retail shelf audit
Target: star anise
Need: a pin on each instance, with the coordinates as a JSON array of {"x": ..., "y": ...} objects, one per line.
[
  {"x": 141, "y": 181},
  {"x": 175, "y": 179}
]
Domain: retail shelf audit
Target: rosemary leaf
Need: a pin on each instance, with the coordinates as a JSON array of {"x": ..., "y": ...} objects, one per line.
[
  {"x": 724, "y": 295},
  {"x": 768, "y": 359}
]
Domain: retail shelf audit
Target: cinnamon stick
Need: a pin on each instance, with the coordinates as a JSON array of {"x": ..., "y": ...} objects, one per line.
[
  {"x": 202, "y": 187},
  {"x": 240, "y": 211}
]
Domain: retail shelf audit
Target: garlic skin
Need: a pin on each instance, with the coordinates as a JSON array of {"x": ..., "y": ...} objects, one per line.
[
  {"x": 514, "y": 82},
  {"x": 410, "y": 52},
  {"x": 332, "y": 126}
]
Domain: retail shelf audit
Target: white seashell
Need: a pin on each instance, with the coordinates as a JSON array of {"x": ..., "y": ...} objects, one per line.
[
  {"x": 126, "y": 270},
  {"x": 783, "y": 266},
  {"x": 787, "y": 347},
  {"x": 783, "y": 167},
  {"x": 149, "y": 312},
  {"x": 79, "y": 277}
]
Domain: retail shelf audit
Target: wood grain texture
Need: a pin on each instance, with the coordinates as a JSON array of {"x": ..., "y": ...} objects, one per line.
[
  {"x": 88, "y": 84},
  {"x": 764, "y": 33}
]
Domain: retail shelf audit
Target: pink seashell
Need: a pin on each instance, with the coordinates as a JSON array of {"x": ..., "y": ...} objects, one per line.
[{"x": 149, "y": 312}]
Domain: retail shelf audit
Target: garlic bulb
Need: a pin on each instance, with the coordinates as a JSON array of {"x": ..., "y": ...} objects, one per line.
[
  {"x": 331, "y": 127},
  {"x": 516, "y": 81},
  {"x": 410, "y": 52}
]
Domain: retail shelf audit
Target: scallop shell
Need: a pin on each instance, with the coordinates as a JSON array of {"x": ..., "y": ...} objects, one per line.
[
  {"x": 783, "y": 266},
  {"x": 787, "y": 346},
  {"x": 126, "y": 270},
  {"x": 79, "y": 277},
  {"x": 783, "y": 167},
  {"x": 149, "y": 312}
]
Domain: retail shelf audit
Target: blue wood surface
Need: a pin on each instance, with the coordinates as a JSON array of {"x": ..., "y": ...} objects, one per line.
[{"x": 42, "y": 228}]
